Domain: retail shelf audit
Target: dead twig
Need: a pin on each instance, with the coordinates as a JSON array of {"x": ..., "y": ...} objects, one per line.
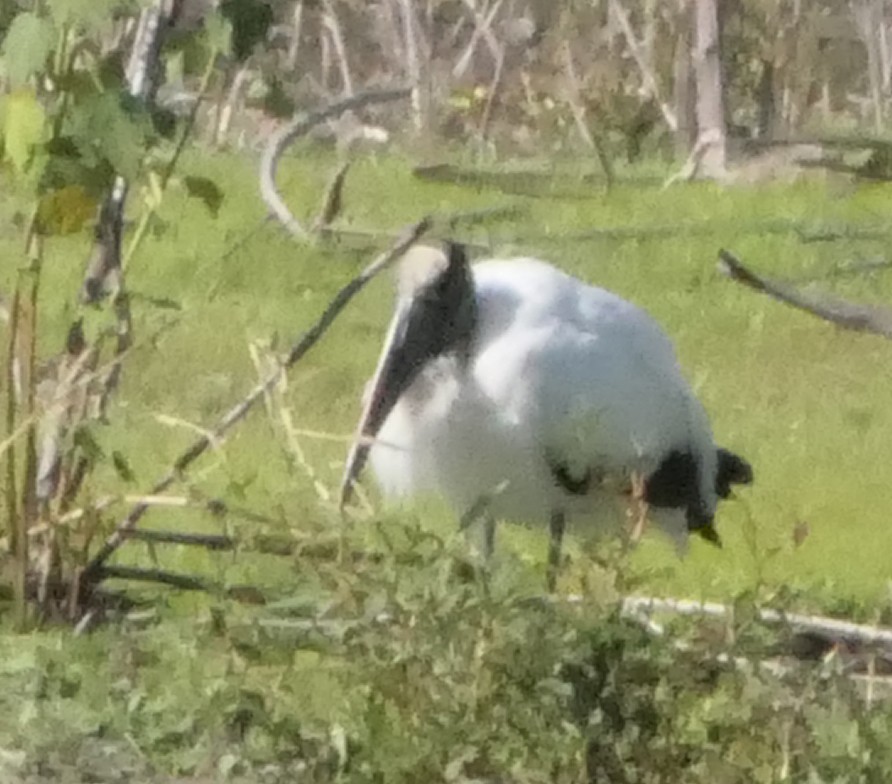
[
  {"x": 574, "y": 98},
  {"x": 482, "y": 29},
  {"x": 93, "y": 571},
  {"x": 333, "y": 200},
  {"x": 288, "y": 133},
  {"x": 860, "y": 318}
]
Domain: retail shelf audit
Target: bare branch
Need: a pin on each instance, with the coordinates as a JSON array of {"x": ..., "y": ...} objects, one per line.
[
  {"x": 491, "y": 96},
  {"x": 208, "y": 541},
  {"x": 92, "y": 573},
  {"x": 860, "y": 318},
  {"x": 296, "y": 128},
  {"x": 576, "y": 107},
  {"x": 482, "y": 24},
  {"x": 647, "y": 73}
]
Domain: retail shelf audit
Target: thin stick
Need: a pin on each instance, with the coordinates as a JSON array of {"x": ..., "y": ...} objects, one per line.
[
  {"x": 594, "y": 141},
  {"x": 647, "y": 73},
  {"x": 490, "y": 98},
  {"x": 183, "y": 581},
  {"x": 331, "y": 23},
  {"x": 283, "y": 137},
  {"x": 92, "y": 573},
  {"x": 482, "y": 23},
  {"x": 208, "y": 541},
  {"x": 850, "y": 315},
  {"x": 333, "y": 200}
]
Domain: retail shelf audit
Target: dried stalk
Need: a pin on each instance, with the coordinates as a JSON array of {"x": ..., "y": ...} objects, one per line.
[
  {"x": 280, "y": 419},
  {"x": 860, "y": 318},
  {"x": 286, "y": 135},
  {"x": 92, "y": 573}
]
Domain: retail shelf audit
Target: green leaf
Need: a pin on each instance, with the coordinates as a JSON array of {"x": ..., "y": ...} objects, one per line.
[
  {"x": 205, "y": 189},
  {"x": 218, "y": 32},
  {"x": 26, "y": 47},
  {"x": 24, "y": 127},
  {"x": 103, "y": 129}
]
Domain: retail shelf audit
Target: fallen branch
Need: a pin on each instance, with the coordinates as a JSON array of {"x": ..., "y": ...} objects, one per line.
[
  {"x": 831, "y": 627},
  {"x": 860, "y": 318},
  {"x": 93, "y": 571},
  {"x": 286, "y": 135}
]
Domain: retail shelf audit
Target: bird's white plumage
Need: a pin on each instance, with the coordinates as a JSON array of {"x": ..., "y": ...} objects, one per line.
[{"x": 558, "y": 368}]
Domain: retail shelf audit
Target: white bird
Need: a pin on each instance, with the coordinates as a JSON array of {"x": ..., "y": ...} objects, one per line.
[{"x": 513, "y": 382}]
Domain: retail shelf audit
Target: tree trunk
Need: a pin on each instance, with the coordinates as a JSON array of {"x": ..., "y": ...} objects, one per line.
[{"x": 710, "y": 105}]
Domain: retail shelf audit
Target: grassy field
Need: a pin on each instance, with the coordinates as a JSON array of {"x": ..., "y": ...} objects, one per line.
[{"x": 806, "y": 403}]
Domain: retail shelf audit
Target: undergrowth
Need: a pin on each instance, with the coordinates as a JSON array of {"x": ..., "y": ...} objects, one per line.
[{"x": 380, "y": 654}]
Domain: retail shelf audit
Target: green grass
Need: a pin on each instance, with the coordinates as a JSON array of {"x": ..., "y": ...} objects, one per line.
[{"x": 805, "y": 402}]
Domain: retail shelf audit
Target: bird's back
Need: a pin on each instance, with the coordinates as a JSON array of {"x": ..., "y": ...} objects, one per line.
[{"x": 592, "y": 376}]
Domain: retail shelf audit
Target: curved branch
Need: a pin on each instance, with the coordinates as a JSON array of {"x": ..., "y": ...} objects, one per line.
[
  {"x": 850, "y": 315},
  {"x": 286, "y": 135}
]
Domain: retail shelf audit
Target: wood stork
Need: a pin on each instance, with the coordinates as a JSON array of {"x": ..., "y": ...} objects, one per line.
[{"x": 514, "y": 375}]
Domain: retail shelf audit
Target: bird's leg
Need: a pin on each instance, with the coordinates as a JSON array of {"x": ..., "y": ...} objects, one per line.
[{"x": 556, "y": 525}]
